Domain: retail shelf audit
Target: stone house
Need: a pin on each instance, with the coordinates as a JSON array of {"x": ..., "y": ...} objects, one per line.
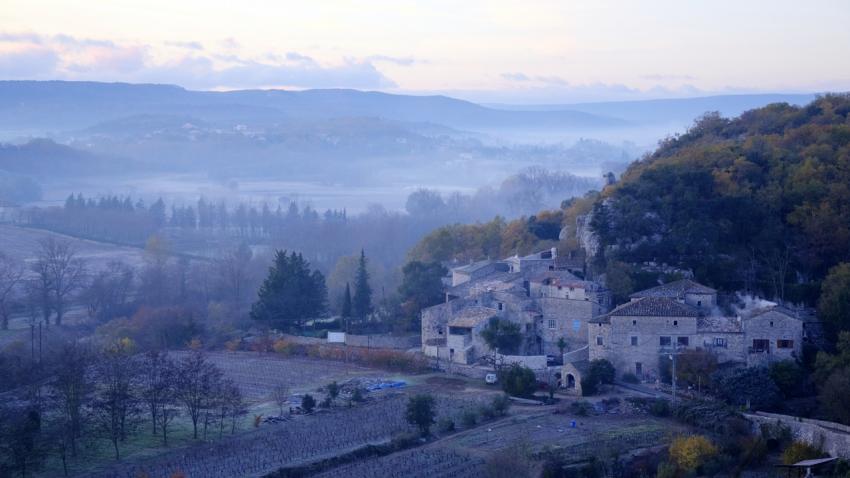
[
  {"x": 546, "y": 302},
  {"x": 683, "y": 315}
]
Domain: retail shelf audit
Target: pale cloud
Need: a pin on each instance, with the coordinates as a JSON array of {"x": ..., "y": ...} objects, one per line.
[
  {"x": 31, "y": 62},
  {"x": 401, "y": 61},
  {"x": 668, "y": 77},
  {"x": 28, "y": 55},
  {"x": 516, "y": 76},
  {"x": 188, "y": 45}
]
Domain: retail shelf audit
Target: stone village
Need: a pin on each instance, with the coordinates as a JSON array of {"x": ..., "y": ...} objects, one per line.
[{"x": 566, "y": 321}]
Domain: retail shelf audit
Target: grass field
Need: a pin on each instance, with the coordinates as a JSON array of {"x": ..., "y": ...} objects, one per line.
[{"x": 22, "y": 243}]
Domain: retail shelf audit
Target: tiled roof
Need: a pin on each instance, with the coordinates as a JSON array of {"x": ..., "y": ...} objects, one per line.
[
  {"x": 556, "y": 275},
  {"x": 654, "y": 307},
  {"x": 473, "y": 267},
  {"x": 471, "y": 316},
  {"x": 775, "y": 308},
  {"x": 490, "y": 282},
  {"x": 676, "y": 289},
  {"x": 719, "y": 324}
]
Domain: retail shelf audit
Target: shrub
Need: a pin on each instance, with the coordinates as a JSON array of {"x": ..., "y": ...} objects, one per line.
[
  {"x": 281, "y": 346},
  {"x": 666, "y": 470},
  {"x": 233, "y": 345},
  {"x": 602, "y": 371},
  {"x": 513, "y": 462},
  {"x": 518, "y": 380},
  {"x": 581, "y": 408},
  {"x": 357, "y": 395},
  {"x": 629, "y": 377},
  {"x": 501, "y": 404},
  {"x": 751, "y": 386},
  {"x": 753, "y": 451},
  {"x": 589, "y": 387},
  {"x": 445, "y": 425},
  {"x": 833, "y": 396},
  {"x": 659, "y": 408},
  {"x": 799, "y": 451},
  {"x": 469, "y": 418},
  {"x": 308, "y": 403},
  {"x": 690, "y": 453},
  {"x": 420, "y": 412},
  {"x": 788, "y": 376},
  {"x": 487, "y": 412}
]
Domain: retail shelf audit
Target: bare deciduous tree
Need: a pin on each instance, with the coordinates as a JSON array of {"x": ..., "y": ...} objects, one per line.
[
  {"x": 158, "y": 386},
  {"x": 71, "y": 391},
  {"x": 115, "y": 403},
  {"x": 280, "y": 394},
  {"x": 109, "y": 291},
  {"x": 59, "y": 266},
  {"x": 11, "y": 272},
  {"x": 233, "y": 268},
  {"x": 197, "y": 381}
]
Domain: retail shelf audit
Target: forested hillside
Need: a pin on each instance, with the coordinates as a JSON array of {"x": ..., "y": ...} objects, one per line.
[{"x": 760, "y": 202}]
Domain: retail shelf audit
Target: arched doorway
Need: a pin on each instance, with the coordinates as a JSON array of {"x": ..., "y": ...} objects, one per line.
[{"x": 571, "y": 381}]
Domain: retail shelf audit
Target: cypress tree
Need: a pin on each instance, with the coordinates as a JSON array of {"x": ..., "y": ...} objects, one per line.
[
  {"x": 362, "y": 303},
  {"x": 346, "y": 301}
]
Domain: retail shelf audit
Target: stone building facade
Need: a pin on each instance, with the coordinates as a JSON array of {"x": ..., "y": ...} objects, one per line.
[
  {"x": 547, "y": 302},
  {"x": 682, "y": 315}
]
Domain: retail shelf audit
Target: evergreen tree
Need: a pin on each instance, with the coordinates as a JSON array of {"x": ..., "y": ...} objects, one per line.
[
  {"x": 362, "y": 303},
  {"x": 346, "y": 301},
  {"x": 157, "y": 212},
  {"x": 291, "y": 293}
]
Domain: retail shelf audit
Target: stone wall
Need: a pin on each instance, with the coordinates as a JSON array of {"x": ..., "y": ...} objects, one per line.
[
  {"x": 773, "y": 326},
  {"x": 832, "y": 438},
  {"x": 404, "y": 342},
  {"x": 570, "y": 318},
  {"x": 647, "y": 348}
]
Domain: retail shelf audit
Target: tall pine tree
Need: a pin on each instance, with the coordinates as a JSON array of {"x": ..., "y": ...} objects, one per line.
[
  {"x": 346, "y": 302},
  {"x": 362, "y": 303},
  {"x": 291, "y": 293}
]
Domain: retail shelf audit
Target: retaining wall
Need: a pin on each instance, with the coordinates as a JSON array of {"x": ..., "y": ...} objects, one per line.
[{"x": 833, "y": 438}]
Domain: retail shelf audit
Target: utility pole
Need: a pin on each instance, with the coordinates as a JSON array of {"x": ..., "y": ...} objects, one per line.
[
  {"x": 672, "y": 356},
  {"x": 673, "y": 359}
]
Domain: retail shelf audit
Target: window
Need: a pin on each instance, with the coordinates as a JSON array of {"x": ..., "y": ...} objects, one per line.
[
  {"x": 638, "y": 369},
  {"x": 551, "y": 323},
  {"x": 599, "y": 340},
  {"x": 664, "y": 341},
  {"x": 699, "y": 303},
  {"x": 682, "y": 341},
  {"x": 501, "y": 306},
  {"x": 785, "y": 344},
  {"x": 720, "y": 342},
  {"x": 675, "y": 323},
  {"x": 761, "y": 345},
  {"x": 576, "y": 325},
  {"x": 634, "y": 323},
  {"x": 771, "y": 323},
  {"x": 634, "y": 340}
]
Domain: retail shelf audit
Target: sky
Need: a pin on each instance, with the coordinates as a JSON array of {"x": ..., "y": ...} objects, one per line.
[{"x": 492, "y": 51}]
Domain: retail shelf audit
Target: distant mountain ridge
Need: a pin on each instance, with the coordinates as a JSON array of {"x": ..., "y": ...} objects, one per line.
[
  {"x": 61, "y": 105},
  {"x": 672, "y": 109}
]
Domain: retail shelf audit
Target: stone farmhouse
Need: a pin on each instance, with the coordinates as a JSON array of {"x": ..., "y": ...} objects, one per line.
[
  {"x": 537, "y": 292},
  {"x": 683, "y": 315}
]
